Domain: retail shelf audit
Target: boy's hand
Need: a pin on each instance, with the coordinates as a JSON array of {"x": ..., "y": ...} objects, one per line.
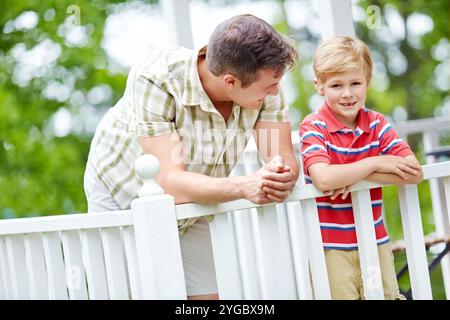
[
  {"x": 397, "y": 165},
  {"x": 334, "y": 193}
]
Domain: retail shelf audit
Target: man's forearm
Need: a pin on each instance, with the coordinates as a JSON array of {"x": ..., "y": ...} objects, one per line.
[{"x": 187, "y": 187}]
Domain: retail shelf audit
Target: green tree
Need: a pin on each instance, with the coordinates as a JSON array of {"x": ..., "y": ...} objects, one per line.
[{"x": 42, "y": 173}]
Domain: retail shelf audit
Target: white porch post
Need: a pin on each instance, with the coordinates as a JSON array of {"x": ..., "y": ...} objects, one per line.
[
  {"x": 441, "y": 219},
  {"x": 176, "y": 13},
  {"x": 157, "y": 238},
  {"x": 335, "y": 18}
]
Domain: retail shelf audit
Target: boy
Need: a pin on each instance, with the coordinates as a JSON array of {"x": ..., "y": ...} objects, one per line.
[{"x": 342, "y": 143}]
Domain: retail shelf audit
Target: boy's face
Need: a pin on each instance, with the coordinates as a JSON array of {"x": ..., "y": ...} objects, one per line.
[
  {"x": 253, "y": 96},
  {"x": 345, "y": 94}
]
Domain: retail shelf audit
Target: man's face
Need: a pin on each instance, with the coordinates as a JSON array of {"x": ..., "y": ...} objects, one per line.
[
  {"x": 253, "y": 96},
  {"x": 345, "y": 94}
]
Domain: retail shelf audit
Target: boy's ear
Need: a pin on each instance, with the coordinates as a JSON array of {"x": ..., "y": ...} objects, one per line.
[{"x": 319, "y": 87}]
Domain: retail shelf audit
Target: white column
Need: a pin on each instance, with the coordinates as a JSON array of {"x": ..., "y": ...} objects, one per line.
[
  {"x": 157, "y": 239},
  {"x": 335, "y": 18},
  {"x": 176, "y": 14}
]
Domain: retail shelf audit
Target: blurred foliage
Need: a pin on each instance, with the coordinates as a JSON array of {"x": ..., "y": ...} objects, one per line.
[
  {"x": 415, "y": 88},
  {"x": 41, "y": 173}
]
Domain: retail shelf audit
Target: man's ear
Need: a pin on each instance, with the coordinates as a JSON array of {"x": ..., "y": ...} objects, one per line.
[
  {"x": 319, "y": 87},
  {"x": 230, "y": 80}
]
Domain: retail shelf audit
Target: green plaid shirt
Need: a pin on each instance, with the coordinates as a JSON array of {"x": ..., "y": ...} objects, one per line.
[{"x": 164, "y": 94}]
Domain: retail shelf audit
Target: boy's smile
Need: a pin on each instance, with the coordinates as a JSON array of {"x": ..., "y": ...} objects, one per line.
[{"x": 345, "y": 94}]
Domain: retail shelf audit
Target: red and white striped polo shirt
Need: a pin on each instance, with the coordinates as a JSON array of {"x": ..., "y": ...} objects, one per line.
[{"x": 324, "y": 139}]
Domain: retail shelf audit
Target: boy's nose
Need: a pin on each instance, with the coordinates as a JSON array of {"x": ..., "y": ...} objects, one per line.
[{"x": 347, "y": 93}]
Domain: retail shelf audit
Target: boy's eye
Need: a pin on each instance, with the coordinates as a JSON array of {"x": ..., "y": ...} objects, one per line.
[
  {"x": 335, "y": 85},
  {"x": 356, "y": 83}
]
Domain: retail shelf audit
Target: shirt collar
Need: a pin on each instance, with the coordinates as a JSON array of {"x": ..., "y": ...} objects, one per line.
[
  {"x": 333, "y": 125},
  {"x": 193, "y": 92}
]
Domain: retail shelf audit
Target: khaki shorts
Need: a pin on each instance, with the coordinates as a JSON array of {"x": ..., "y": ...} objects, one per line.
[
  {"x": 344, "y": 274},
  {"x": 196, "y": 249}
]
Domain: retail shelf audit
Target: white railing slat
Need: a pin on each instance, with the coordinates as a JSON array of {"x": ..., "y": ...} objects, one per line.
[
  {"x": 35, "y": 263},
  {"x": 54, "y": 261},
  {"x": 445, "y": 262},
  {"x": 415, "y": 242},
  {"x": 226, "y": 262},
  {"x": 246, "y": 252},
  {"x": 115, "y": 263},
  {"x": 5, "y": 274},
  {"x": 262, "y": 230},
  {"x": 316, "y": 255},
  {"x": 299, "y": 250},
  {"x": 262, "y": 268},
  {"x": 276, "y": 269},
  {"x": 286, "y": 251},
  {"x": 367, "y": 245},
  {"x": 75, "y": 276},
  {"x": 446, "y": 183},
  {"x": 132, "y": 262},
  {"x": 94, "y": 264},
  {"x": 17, "y": 267}
]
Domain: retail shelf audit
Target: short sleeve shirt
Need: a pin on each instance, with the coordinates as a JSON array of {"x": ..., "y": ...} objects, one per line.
[
  {"x": 324, "y": 139},
  {"x": 164, "y": 95}
]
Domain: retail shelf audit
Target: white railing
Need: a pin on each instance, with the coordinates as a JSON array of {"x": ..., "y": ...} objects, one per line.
[
  {"x": 260, "y": 252},
  {"x": 113, "y": 255}
]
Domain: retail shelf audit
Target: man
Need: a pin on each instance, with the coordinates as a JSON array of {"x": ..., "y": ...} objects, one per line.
[{"x": 195, "y": 111}]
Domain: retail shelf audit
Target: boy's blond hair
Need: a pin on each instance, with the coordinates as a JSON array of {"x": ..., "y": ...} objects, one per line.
[{"x": 341, "y": 54}]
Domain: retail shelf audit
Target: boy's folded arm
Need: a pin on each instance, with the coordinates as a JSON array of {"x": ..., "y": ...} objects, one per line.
[
  {"x": 327, "y": 177},
  {"x": 391, "y": 178}
]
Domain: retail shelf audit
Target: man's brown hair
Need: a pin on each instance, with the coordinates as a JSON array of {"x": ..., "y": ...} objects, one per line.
[{"x": 244, "y": 44}]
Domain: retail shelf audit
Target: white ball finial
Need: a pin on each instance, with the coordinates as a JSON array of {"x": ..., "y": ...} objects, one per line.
[{"x": 147, "y": 167}]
